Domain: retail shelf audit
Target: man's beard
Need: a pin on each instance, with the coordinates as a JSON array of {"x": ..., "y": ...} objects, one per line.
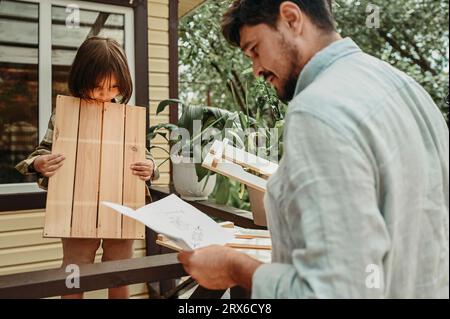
[
  {"x": 289, "y": 89},
  {"x": 292, "y": 57}
]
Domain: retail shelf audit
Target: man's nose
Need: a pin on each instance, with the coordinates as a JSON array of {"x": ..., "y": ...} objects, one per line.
[{"x": 258, "y": 71}]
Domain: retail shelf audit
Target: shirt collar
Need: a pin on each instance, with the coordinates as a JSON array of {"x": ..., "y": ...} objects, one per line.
[{"x": 324, "y": 59}]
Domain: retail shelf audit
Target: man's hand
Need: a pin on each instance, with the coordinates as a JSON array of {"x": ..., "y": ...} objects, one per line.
[
  {"x": 143, "y": 169},
  {"x": 219, "y": 268},
  {"x": 47, "y": 165}
]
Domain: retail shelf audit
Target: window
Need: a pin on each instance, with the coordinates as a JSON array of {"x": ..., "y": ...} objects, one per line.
[
  {"x": 38, "y": 42},
  {"x": 19, "y": 87}
]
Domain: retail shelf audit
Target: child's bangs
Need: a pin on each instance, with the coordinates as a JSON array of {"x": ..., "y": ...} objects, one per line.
[
  {"x": 104, "y": 78},
  {"x": 119, "y": 68}
]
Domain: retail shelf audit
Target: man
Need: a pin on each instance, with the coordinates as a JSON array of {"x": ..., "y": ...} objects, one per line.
[{"x": 359, "y": 205}]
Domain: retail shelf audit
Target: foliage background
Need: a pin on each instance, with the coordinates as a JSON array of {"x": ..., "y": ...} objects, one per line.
[{"x": 413, "y": 35}]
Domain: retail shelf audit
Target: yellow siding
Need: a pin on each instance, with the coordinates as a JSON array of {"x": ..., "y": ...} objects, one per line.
[
  {"x": 22, "y": 248},
  {"x": 158, "y": 39}
]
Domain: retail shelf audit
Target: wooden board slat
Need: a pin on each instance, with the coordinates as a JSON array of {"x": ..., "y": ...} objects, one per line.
[
  {"x": 249, "y": 160},
  {"x": 60, "y": 190},
  {"x": 85, "y": 203},
  {"x": 111, "y": 171},
  {"x": 100, "y": 141},
  {"x": 216, "y": 162},
  {"x": 133, "y": 186}
]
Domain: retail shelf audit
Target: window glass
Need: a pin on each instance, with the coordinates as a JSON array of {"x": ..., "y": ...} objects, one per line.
[{"x": 19, "y": 87}]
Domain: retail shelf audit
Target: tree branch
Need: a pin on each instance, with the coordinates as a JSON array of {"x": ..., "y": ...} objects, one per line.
[{"x": 421, "y": 62}]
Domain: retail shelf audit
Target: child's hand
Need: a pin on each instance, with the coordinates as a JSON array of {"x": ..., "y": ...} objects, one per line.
[
  {"x": 47, "y": 165},
  {"x": 143, "y": 169}
]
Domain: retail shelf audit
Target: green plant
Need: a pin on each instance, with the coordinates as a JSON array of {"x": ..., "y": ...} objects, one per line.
[
  {"x": 262, "y": 134},
  {"x": 209, "y": 117}
]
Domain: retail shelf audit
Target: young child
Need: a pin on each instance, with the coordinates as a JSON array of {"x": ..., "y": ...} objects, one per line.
[{"x": 99, "y": 72}]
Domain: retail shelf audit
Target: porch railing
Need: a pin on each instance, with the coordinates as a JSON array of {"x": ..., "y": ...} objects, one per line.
[{"x": 160, "y": 266}]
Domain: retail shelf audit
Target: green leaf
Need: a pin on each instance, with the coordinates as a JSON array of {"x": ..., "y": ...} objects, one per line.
[
  {"x": 189, "y": 115},
  {"x": 201, "y": 172},
  {"x": 223, "y": 187},
  {"x": 163, "y": 104},
  {"x": 151, "y": 136},
  {"x": 244, "y": 120},
  {"x": 167, "y": 126}
]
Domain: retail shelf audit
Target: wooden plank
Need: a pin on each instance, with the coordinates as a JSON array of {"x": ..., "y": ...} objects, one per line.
[
  {"x": 158, "y": 10},
  {"x": 239, "y": 217},
  {"x": 60, "y": 189},
  {"x": 234, "y": 171},
  {"x": 159, "y": 93},
  {"x": 157, "y": 51},
  {"x": 249, "y": 160},
  {"x": 111, "y": 177},
  {"x": 133, "y": 186},
  {"x": 50, "y": 283},
  {"x": 158, "y": 66},
  {"x": 158, "y": 24},
  {"x": 87, "y": 173},
  {"x": 256, "y": 244},
  {"x": 17, "y": 269},
  {"x": 244, "y": 246},
  {"x": 21, "y": 221},
  {"x": 30, "y": 254},
  {"x": 23, "y": 238},
  {"x": 260, "y": 165}
]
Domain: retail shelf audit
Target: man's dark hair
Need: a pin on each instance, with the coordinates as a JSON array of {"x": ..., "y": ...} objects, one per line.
[{"x": 253, "y": 12}]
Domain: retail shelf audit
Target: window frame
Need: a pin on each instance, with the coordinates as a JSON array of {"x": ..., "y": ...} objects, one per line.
[{"x": 24, "y": 196}]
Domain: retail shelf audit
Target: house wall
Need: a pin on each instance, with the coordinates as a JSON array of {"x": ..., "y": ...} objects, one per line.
[
  {"x": 158, "y": 38},
  {"x": 22, "y": 248}
]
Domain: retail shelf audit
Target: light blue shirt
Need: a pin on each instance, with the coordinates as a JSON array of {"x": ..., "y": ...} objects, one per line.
[{"x": 359, "y": 207}]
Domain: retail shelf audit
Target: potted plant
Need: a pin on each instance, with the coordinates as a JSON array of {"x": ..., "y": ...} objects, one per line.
[{"x": 190, "y": 179}]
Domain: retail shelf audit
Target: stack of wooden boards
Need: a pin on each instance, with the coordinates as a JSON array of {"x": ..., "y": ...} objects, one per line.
[
  {"x": 100, "y": 142},
  {"x": 256, "y": 243},
  {"x": 230, "y": 161}
]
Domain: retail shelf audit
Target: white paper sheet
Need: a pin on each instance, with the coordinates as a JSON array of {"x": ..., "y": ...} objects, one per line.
[{"x": 182, "y": 223}]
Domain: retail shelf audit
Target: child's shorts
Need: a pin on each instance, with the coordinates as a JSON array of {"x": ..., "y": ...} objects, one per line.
[{"x": 82, "y": 251}]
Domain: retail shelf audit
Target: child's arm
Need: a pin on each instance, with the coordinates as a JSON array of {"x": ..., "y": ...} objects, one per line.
[
  {"x": 146, "y": 170},
  {"x": 45, "y": 148},
  {"x": 149, "y": 156}
]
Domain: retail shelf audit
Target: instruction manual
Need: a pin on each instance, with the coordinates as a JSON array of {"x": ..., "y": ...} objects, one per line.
[{"x": 179, "y": 221}]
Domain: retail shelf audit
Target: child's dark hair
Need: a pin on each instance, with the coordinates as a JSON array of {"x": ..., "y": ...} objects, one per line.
[
  {"x": 254, "y": 12},
  {"x": 98, "y": 59}
]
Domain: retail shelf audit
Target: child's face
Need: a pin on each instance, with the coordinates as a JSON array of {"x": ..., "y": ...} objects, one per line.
[{"x": 106, "y": 90}]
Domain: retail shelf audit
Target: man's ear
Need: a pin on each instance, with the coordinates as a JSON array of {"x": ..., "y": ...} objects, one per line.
[{"x": 292, "y": 16}]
